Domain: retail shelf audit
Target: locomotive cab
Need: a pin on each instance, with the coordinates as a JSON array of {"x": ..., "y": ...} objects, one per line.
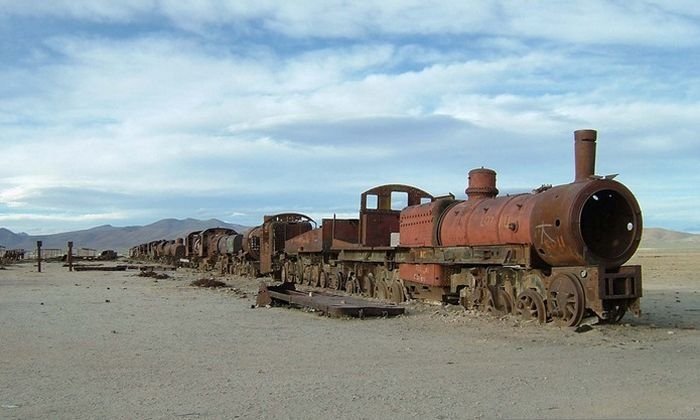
[{"x": 380, "y": 211}]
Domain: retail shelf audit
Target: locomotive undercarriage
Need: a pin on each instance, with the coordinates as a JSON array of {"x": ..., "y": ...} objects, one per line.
[
  {"x": 370, "y": 279},
  {"x": 564, "y": 295},
  {"x": 237, "y": 265}
]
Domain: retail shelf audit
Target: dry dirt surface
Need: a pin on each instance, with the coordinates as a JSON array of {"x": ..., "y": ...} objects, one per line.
[{"x": 114, "y": 345}]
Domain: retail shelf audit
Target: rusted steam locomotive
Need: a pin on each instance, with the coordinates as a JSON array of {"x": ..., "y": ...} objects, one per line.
[
  {"x": 256, "y": 252},
  {"x": 554, "y": 254}
]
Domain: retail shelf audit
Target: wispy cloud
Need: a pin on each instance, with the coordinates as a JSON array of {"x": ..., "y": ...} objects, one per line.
[{"x": 149, "y": 109}]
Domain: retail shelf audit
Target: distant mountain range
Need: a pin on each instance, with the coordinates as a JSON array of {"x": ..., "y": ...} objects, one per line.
[{"x": 119, "y": 239}]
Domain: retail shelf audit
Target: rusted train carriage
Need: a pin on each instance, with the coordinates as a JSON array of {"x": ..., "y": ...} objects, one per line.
[
  {"x": 554, "y": 254},
  {"x": 264, "y": 246},
  {"x": 355, "y": 255},
  {"x": 254, "y": 253}
]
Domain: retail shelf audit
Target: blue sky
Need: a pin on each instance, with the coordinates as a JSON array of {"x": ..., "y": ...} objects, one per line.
[{"x": 127, "y": 112}]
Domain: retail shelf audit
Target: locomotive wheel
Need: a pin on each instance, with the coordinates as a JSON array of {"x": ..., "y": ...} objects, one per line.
[
  {"x": 352, "y": 285},
  {"x": 566, "y": 300},
  {"x": 531, "y": 306},
  {"x": 503, "y": 302},
  {"x": 322, "y": 279},
  {"x": 299, "y": 271},
  {"x": 367, "y": 285},
  {"x": 485, "y": 301},
  {"x": 306, "y": 276},
  {"x": 284, "y": 276},
  {"x": 337, "y": 281},
  {"x": 496, "y": 300},
  {"x": 397, "y": 293},
  {"x": 381, "y": 290},
  {"x": 465, "y": 297},
  {"x": 315, "y": 276},
  {"x": 615, "y": 315}
]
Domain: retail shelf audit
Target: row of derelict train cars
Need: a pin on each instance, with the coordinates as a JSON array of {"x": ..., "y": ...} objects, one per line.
[{"x": 555, "y": 254}]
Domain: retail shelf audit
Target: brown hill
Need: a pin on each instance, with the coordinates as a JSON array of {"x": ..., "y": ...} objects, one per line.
[{"x": 669, "y": 239}]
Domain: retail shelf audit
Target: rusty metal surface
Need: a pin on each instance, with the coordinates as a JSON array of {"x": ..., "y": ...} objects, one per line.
[
  {"x": 229, "y": 244},
  {"x": 588, "y": 222},
  {"x": 332, "y": 234},
  {"x": 328, "y": 304},
  {"x": 584, "y": 154},
  {"x": 340, "y": 231},
  {"x": 311, "y": 241},
  {"x": 251, "y": 243},
  {"x": 275, "y": 231},
  {"x": 481, "y": 184},
  {"x": 428, "y": 274},
  {"x": 192, "y": 244},
  {"x": 591, "y": 221},
  {"x": 209, "y": 240},
  {"x": 418, "y": 223},
  {"x": 377, "y": 224}
]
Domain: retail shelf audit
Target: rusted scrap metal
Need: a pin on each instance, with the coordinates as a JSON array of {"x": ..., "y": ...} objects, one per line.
[
  {"x": 153, "y": 274},
  {"x": 211, "y": 283},
  {"x": 107, "y": 255},
  {"x": 77, "y": 267},
  {"x": 327, "y": 303},
  {"x": 9, "y": 256},
  {"x": 154, "y": 267}
]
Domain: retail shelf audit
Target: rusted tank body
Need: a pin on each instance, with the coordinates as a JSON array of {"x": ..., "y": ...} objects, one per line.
[
  {"x": 590, "y": 221},
  {"x": 229, "y": 244},
  {"x": 209, "y": 239}
]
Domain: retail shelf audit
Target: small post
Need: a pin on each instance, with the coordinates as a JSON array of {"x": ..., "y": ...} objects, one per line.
[
  {"x": 38, "y": 255},
  {"x": 69, "y": 258}
]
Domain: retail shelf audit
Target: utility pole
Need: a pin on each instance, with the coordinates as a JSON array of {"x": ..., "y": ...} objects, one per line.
[
  {"x": 70, "y": 256},
  {"x": 38, "y": 255}
]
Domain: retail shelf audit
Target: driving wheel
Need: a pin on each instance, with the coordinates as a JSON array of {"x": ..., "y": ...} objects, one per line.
[
  {"x": 566, "y": 300},
  {"x": 531, "y": 306}
]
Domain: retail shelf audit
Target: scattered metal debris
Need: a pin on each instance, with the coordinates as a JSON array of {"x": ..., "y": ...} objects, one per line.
[
  {"x": 208, "y": 283},
  {"x": 153, "y": 274},
  {"x": 77, "y": 267},
  {"x": 326, "y": 303}
]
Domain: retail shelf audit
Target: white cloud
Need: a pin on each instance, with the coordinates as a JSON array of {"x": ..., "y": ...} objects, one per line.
[
  {"x": 261, "y": 99},
  {"x": 589, "y": 22},
  {"x": 62, "y": 217}
]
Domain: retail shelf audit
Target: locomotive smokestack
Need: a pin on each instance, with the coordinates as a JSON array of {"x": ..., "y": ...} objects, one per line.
[
  {"x": 482, "y": 184},
  {"x": 584, "y": 153}
]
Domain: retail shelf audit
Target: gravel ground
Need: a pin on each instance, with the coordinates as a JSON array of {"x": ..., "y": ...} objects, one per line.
[{"x": 115, "y": 345}]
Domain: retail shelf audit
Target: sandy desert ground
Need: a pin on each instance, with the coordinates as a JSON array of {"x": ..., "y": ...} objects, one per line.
[{"x": 115, "y": 345}]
